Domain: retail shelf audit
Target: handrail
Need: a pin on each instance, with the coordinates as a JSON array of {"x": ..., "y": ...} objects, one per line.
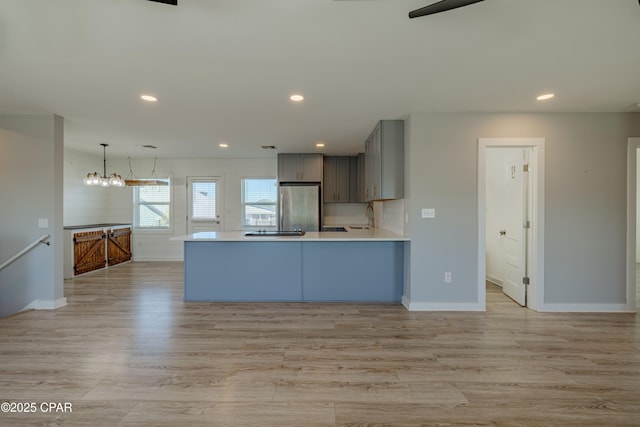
[{"x": 42, "y": 240}]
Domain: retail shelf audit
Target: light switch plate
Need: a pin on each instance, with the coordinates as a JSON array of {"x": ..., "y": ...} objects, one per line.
[
  {"x": 43, "y": 223},
  {"x": 428, "y": 213}
]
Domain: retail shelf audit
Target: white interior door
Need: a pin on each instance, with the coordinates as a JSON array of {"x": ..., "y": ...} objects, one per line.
[
  {"x": 204, "y": 196},
  {"x": 535, "y": 149},
  {"x": 516, "y": 228}
]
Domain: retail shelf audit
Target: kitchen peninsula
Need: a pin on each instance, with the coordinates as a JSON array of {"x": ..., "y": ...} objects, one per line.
[{"x": 365, "y": 265}]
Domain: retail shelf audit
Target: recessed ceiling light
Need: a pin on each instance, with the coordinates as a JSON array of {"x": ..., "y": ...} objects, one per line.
[
  {"x": 296, "y": 97},
  {"x": 320, "y": 144},
  {"x": 223, "y": 145},
  {"x": 148, "y": 98},
  {"x": 545, "y": 96}
]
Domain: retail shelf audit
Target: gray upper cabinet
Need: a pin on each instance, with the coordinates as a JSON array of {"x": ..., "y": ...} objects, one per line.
[
  {"x": 353, "y": 179},
  {"x": 337, "y": 179},
  {"x": 359, "y": 179},
  {"x": 384, "y": 161},
  {"x": 300, "y": 167}
]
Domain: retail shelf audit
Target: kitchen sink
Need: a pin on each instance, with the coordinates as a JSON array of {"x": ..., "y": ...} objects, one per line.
[
  {"x": 333, "y": 229},
  {"x": 274, "y": 233}
]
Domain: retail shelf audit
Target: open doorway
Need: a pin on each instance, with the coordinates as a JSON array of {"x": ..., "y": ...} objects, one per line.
[
  {"x": 510, "y": 218},
  {"x": 507, "y": 207},
  {"x": 633, "y": 224}
]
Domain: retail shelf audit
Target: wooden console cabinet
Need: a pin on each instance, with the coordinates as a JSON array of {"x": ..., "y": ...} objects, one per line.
[
  {"x": 118, "y": 245},
  {"x": 95, "y": 247}
]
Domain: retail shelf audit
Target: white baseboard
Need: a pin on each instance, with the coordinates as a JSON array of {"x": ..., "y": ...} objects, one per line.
[
  {"x": 586, "y": 308},
  {"x": 40, "y": 304},
  {"x": 406, "y": 302},
  {"x": 494, "y": 280},
  {"x": 441, "y": 306},
  {"x": 156, "y": 258}
]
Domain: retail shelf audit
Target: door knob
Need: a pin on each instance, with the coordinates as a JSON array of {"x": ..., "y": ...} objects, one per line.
[{"x": 503, "y": 232}]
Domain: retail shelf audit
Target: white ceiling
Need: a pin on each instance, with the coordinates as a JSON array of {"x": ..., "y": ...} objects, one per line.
[{"x": 223, "y": 69}]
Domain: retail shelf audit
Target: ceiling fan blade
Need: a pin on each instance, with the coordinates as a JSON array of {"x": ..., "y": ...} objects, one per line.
[
  {"x": 173, "y": 2},
  {"x": 441, "y": 6}
]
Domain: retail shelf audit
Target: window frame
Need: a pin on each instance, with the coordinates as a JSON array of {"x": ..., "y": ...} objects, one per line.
[
  {"x": 136, "y": 210},
  {"x": 243, "y": 204}
]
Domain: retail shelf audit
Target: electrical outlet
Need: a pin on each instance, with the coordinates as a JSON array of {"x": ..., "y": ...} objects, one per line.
[
  {"x": 428, "y": 213},
  {"x": 448, "y": 277}
]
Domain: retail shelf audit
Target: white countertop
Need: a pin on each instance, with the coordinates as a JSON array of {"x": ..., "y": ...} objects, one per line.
[{"x": 351, "y": 235}]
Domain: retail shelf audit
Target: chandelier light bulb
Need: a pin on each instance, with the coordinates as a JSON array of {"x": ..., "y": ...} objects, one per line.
[
  {"x": 113, "y": 180},
  {"x": 95, "y": 179}
]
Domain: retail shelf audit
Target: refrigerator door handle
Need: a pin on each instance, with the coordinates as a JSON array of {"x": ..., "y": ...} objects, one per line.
[{"x": 281, "y": 212}]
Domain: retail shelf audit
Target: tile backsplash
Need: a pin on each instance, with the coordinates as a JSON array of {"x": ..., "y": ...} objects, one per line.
[{"x": 389, "y": 215}]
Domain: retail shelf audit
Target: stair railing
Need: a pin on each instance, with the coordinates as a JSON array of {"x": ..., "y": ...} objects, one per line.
[{"x": 43, "y": 239}]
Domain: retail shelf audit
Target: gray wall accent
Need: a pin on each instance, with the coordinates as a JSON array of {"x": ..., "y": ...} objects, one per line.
[
  {"x": 585, "y": 202},
  {"x": 31, "y": 186}
]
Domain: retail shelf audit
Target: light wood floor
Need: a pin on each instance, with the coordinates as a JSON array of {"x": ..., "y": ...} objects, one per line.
[{"x": 127, "y": 351}]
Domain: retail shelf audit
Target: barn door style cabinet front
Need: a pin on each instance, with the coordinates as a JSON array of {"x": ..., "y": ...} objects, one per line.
[
  {"x": 95, "y": 247},
  {"x": 118, "y": 245}
]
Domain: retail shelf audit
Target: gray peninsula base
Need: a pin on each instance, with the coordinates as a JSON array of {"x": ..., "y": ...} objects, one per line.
[{"x": 370, "y": 271}]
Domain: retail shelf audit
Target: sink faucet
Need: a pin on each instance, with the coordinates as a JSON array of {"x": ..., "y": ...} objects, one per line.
[{"x": 370, "y": 217}]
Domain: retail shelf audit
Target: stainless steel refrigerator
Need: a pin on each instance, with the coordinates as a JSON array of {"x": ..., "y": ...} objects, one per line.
[{"x": 299, "y": 206}]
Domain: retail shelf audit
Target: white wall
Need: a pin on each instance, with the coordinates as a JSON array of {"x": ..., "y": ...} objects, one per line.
[
  {"x": 585, "y": 205},
  {"x": 89, "y": 205},
  {"x": 155, "y": 245},
  {"x": 84, "y": 204},
  {"x": 31, "y": 187}
]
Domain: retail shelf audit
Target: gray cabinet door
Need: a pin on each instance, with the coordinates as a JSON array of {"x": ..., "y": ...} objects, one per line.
[
  {"x": 376, "y": 161},
  {"x": 371, "y": 166},
  {"x": 360, "y": 184},
  {"x": 384, "y": 161},
  {"x": 311, "y": 167},
  {"x": 299, "y": 167},
  {"x": 343, "y": 176},
  {"x": 353, "y": 179},
  {"x": 337, "y": 179},
  {"x": 288, "y": 167},
  {"x": 329, "y": 179}
]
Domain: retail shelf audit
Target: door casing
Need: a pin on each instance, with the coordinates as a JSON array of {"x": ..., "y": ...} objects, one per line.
[
  {"x": 194, "y": 226},
  {"x": 633, "y": 144},
  {"x": 535, "y": 293}
]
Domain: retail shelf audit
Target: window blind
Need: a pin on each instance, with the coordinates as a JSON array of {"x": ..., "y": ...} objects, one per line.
[
  {"x": 203, "y": 200},
  {"x": 259, "y": 197}
]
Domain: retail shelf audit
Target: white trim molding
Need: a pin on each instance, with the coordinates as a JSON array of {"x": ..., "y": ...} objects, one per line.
[
  {"x": 536, "y": 272},
  {"x": 441, "y": 306},
  {"x": 585, "y": 308},
  {"x": 39, "y": 304},
  {"x": 633, "y": 144}
]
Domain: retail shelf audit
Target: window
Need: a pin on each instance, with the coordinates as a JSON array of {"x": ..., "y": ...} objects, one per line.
[
  {"x": 259, "y": 202},
  {"x": 203, "y": 199},
  {"x": 152, "y": 206}
]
